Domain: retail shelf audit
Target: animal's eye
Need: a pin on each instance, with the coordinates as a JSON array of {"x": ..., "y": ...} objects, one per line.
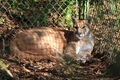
[
  {"x": 75, "y": 27},
  {"x": 83, "y": 27}
]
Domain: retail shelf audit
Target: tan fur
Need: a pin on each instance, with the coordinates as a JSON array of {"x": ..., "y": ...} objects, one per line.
[
  {"x": 51, "y": 43},
  {"x": 82, "y": 43}
]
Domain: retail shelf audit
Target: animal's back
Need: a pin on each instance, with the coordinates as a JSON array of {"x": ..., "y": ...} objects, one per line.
[
  {"x": 55, "y": 44},
  {"x": 42, "y": 43}
]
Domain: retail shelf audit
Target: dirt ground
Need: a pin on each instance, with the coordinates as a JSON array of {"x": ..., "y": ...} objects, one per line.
[{"x": 47, "y": 70}]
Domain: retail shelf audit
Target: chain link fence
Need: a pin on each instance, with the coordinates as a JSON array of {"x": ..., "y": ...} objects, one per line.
[
  {"x": 35, "y": 13},
  {"x": 18, "y": 15},
  {"x": 22, "y": 14}
]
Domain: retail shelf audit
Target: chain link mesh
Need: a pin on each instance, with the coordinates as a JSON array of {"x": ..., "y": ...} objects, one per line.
[
  {"x": 18, "y": 15},
  {"x": 34, "y": 13},
  {"x": 23, "y": 14}
]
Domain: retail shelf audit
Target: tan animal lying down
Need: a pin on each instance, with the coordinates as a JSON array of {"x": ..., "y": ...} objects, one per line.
[{"x": 48, "y": 43}]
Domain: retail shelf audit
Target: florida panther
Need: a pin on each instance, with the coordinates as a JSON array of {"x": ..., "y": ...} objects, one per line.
[{"x": 55, "y": 44}]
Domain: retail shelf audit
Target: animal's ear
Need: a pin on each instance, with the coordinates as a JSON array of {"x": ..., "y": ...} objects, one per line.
[
  {"x": 89, "y": 19},
  {"x": 74, "y": 19}
]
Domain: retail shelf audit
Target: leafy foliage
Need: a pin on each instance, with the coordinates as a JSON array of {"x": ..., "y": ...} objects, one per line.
[
  {"x": 4, "y": 67},
  {"x": 36, "y": 13}
]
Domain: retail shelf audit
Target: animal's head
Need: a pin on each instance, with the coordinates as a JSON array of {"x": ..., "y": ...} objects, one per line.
[{"x": 81, "y": 27}]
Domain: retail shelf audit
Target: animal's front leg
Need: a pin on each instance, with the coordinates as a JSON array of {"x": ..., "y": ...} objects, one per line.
[
  {"x": 70, "y": 52},
  {"x": 84, "y": 56}
]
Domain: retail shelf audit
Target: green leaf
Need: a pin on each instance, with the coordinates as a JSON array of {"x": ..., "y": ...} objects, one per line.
[
  {"x": 113, "y": 7},
  {"x": 1, "y": 20},
  {"x": 5, "y": 68},
  {"x": 36, "y": 0},
  {"x": 118, "y": 21}
]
